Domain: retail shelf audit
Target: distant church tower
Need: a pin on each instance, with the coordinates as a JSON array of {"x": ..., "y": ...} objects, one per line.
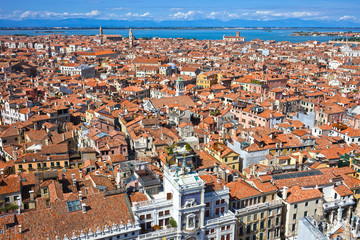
[
  {"x": 100, "y": 31},
  {"x": 179, "y": 85},
  {"x": 131, "y": 38},
  {"x": 48, "y": 53},
  {"x": 2, "y": 47}
]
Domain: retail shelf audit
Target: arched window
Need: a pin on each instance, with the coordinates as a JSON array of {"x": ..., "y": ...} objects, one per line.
[{"x": 190, "y": 221}]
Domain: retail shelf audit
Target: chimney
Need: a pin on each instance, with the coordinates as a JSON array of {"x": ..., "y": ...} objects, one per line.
[
  {"x": 118, "y": 177},
  {"x": 32, "y": 197},
  {"x": 73, "y": 179},
  {"x": 83, "y": 206},
  {"x": 15, "y": 154},
  {"x": 301, "y": 158},
  {"x": 80, "y": 174},
  {"x": 19, "y": 227},
  {"x": 80, "y": 196},
  {"x": 284, "y": 193},
  {"x": 63, "y": 137}
]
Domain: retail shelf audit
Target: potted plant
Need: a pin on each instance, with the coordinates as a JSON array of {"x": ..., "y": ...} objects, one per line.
[{"x": 173, "y": 223}]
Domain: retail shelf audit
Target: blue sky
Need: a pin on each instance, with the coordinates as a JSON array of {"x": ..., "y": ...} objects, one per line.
[{"x": 338, "y": 10}]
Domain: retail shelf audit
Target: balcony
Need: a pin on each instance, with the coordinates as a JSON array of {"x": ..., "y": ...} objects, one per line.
[
  {"x": 152, "y": 204},
  {"x": 258, "y": 207},
  {"x": 335, "y": 204},
  {"x": 229, "y": 216},
  {"x": 159, "y": 234},
  {"x": 225, "y": 191}
]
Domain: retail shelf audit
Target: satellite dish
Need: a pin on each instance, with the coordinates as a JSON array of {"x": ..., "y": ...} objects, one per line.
[{"x": 227, "y": 171}]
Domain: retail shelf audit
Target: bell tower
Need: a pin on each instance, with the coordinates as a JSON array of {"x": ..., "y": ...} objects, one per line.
[
  {"x": 101, "y": 31},
  {"x": 179, "y": 85},
  {"x": 131, "y": 38}
]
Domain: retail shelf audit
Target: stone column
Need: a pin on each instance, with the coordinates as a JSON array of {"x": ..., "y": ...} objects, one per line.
[
  {"x": 349, "y": 213},
  {"x": 339, "y": 214},
  {"x": 332, "y": 216}
]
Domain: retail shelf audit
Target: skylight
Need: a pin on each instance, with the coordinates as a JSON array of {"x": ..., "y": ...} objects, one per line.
[{"x": 73, "y": 206}]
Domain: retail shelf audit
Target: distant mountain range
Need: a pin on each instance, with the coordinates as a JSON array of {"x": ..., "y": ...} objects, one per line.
[{"x": 86, "y": 23}]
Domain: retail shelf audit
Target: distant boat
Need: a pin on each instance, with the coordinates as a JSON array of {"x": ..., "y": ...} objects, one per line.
[{"x": 267, "y": 30}]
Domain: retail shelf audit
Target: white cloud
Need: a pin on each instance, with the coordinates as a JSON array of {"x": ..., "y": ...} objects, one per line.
[
  {"x": 117, "y": 8},
  {"x": 223, "y": 15},
  {"x": 176, "y": 9},
  {"x": 47, "y": 15},
  {"x": 255, "y": 15},
  {"x": 130, "y": 14},
  {"x": 349, "y": 18},
  {"x": 190, "y": 15},
  {"x": 274, "y": 15}
]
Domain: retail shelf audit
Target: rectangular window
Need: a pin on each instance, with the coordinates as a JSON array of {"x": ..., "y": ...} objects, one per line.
[
  {"x": 207, "y": 213},
  {"x": 305, "y": 214},
  {"x": 306, "y": 204},
  {"x": 241, "y": 231},
  {"x": 262, "y": 225},
  {"x": 293, "y": 228},
  {"x": 294, "y": 216},
  {"x": 248, "y": 229}
]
